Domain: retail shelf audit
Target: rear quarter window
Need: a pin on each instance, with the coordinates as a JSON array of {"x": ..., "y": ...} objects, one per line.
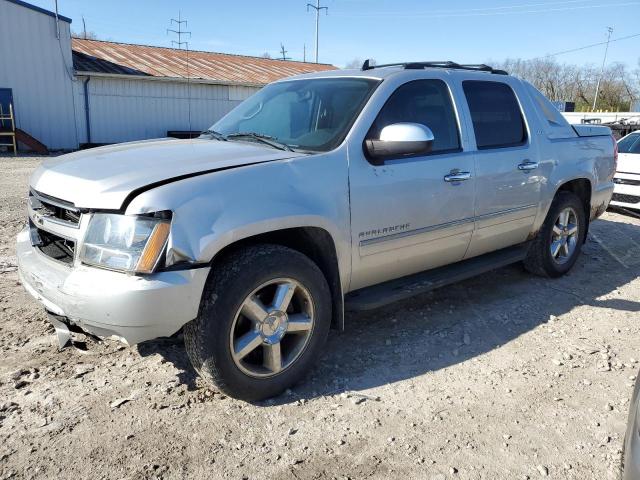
[{"x": 495, "y": 113}]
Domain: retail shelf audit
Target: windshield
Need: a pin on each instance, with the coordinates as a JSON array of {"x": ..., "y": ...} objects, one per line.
[
  {"x": 630, "y": 144},
  {"x": 313, "y": 114}
]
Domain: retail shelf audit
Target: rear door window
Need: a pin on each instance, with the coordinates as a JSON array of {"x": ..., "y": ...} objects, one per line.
[{"x": 496, "y": 115}]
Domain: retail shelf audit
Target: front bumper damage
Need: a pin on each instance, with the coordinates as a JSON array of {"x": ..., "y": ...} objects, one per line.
[{"x": 109, "y": 304}]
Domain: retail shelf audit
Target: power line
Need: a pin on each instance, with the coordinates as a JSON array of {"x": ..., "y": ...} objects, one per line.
[
  {"x": 487, "y": 12},
  {"x": 317, "y": 8},
  {"x": 482, "y": 9},
  {"x": 588, "y": 46}
]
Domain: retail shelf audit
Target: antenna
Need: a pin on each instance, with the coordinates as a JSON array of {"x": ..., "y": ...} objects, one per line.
[
  {"x": 317, "y": 8},
  {"x": 179, "y": 32},
  {"x": 604, "y": 60},
  {"x": 179, "y": 43},
  {"x": 283, "y": 52}
]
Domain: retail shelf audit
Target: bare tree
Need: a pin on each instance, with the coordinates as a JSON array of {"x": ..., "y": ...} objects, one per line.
[
  {"x": 87, "y": 36},
  {"x": 619, "y": 87}
]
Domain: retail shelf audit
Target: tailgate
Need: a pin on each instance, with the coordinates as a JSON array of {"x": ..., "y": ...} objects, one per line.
[{"x": 592, "y": 130}]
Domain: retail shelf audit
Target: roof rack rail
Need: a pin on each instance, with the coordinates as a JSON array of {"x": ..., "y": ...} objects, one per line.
[{"x": 446, "y": 64}]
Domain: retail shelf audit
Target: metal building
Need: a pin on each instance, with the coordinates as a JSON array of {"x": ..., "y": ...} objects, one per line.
[
  {"x": 139, "y": 91},
  {"x": 68, "y": 92},
  {"x": 36, "y": 73}
]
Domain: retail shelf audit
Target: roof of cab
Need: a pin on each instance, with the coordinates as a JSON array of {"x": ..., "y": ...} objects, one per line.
[{"x": 382, "y": 72}]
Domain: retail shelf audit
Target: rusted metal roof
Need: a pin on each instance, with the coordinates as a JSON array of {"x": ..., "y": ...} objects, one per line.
[{"x": 97, "y": 56}]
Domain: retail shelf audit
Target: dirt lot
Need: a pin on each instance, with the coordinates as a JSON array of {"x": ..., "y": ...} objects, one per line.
[{"x": 506, "y": 376}]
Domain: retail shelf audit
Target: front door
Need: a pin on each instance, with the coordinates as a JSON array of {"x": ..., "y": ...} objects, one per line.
[
  {"x": 406, "y": 215},
  {"x": 508, "y": 179}
]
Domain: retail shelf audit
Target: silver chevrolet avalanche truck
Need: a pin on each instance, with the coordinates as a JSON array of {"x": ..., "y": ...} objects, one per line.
[{"x": 326, "y": 192}]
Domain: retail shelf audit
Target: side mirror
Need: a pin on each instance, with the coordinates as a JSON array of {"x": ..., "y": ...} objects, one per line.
[{"x": 399, "y": 140}]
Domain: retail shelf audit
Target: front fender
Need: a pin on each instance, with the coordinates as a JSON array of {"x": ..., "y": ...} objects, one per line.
[{"x": 215, "y": 210}]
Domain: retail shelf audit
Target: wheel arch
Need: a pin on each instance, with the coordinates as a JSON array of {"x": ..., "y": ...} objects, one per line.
[
  {"x": 314, "y": 242},
  {"x": 582, "y": 188}
]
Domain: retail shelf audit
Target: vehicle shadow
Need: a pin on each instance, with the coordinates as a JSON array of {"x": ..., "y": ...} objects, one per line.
[
  {"x": 457, "y": 323},
  {"x": 172, "y": 350}
]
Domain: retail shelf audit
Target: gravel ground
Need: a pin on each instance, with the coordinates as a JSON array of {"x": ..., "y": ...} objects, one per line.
[{"x": 505, "y": 376}]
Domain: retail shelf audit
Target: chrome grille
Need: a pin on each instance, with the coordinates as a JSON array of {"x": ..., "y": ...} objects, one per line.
[
  {"x": 55, "y": 226},
  {"x": 58, "y": 211},
  {"x": 52, "y": 245}
]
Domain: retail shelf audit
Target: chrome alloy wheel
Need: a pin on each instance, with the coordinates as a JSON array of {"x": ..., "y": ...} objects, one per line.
[
  {"x": 272, "y": 327},
  {"x": 564, "y": 236}
]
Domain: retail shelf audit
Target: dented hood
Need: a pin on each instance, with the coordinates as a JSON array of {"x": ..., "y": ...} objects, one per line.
[{"x": 104, "y": 177}]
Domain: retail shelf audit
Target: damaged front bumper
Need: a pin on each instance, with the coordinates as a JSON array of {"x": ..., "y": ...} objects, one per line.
[{"x": 106, "y": 303}]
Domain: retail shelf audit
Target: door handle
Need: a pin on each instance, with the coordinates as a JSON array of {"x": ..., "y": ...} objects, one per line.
[
  {"x": 527, "y": 166},
  {"x": 457, "y": 176}
]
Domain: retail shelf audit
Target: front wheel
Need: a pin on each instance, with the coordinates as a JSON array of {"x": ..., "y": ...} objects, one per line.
[
  {"x": 558, "y": 243},
  {"x": 263, "y": 319}
]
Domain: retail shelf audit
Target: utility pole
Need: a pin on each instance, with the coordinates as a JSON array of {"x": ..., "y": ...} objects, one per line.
[
  {"x": 317, "y": 8},
  {"x": 57, "y": 21},
  {"x": 604, "y": 61},
  {"x": 84, "y": 28},
  {"x": 179, "y": 43},
  {"x": 283, "y": 52},
  {"x": 304, "y": 52}
]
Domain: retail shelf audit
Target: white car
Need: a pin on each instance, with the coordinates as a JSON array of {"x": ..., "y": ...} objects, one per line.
[{"x": 626, "y": 192}]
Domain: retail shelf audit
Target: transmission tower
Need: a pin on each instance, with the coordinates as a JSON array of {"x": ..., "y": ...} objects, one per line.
[
  {"x": 179, "y": 43},
  {"x": 317, "y": 7}
]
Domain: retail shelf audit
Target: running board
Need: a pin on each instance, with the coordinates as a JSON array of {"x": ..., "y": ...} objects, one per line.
[{"x": 392, "y": 291}]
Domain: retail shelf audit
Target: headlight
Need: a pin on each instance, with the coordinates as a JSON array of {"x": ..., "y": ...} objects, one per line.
[{"x": 124, "y": 242}]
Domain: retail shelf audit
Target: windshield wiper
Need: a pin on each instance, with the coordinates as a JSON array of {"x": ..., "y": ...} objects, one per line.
[
  {"x": 266, "y": 139},
  {"x": 216, "y": 135}
]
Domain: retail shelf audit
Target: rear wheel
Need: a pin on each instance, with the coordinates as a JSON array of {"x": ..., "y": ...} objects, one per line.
[
  {"x": 263, "y": 319},
  {"x": 559, "y": 242}
]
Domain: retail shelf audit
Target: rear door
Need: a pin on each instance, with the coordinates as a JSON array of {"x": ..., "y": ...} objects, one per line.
[
  {"x": 406, "y": 215},
  {"x": 508, "y": 180}
]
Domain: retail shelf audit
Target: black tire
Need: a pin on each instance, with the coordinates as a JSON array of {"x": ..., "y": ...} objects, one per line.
[
  {"x": 539, "y": 259},
  {"x": 232, "y": 280}
]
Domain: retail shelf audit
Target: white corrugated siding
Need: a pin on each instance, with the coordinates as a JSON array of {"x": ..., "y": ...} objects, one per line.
[
  {"x": 123, "y": 110},
  {"x": 39, "y": 70}
]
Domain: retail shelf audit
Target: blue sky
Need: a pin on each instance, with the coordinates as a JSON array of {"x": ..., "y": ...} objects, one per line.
[{"x": 387, "y": 30}]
